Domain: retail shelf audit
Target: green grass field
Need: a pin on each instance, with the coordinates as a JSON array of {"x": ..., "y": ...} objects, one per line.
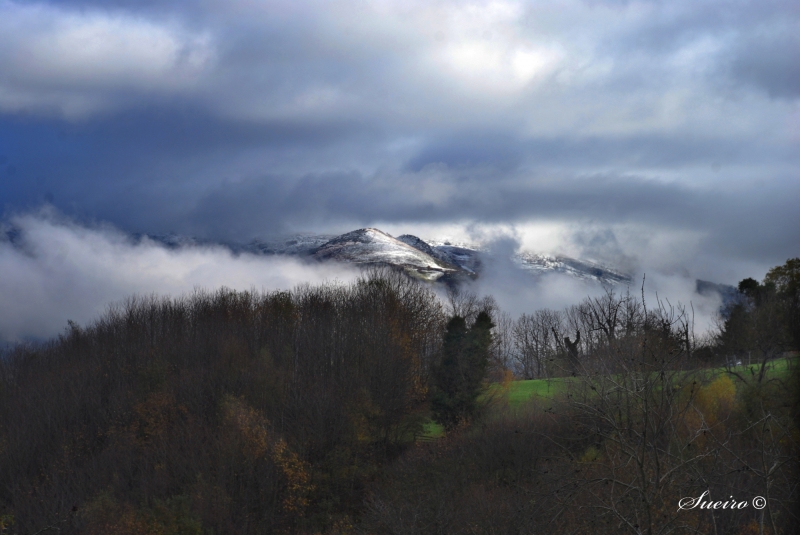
[
  {"x": 520, "y": 392},
  {"x": 775, "y": 368},
  {"x": 431, "y": 431}
]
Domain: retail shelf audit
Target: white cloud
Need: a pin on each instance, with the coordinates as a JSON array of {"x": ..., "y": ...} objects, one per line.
[
  {"x": 76, "y": 62},
  {"x": 62, "y": 271}
]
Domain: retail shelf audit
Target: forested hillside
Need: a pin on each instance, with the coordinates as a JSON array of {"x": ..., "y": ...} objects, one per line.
[{"x": 301, "y": 412}]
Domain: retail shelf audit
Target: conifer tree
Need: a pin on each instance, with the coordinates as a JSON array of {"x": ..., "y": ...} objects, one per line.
[{"x": 459, "y": 376}]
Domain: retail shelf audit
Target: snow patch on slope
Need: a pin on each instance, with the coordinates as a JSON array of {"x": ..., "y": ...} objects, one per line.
[{"x": 373, "y": 246}]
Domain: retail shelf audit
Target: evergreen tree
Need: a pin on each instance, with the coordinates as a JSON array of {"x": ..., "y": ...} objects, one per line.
[
  {"x": 786, "y": 281},
  {"x": 765, "y": 322},
  {"x": 458, "y": 378}
]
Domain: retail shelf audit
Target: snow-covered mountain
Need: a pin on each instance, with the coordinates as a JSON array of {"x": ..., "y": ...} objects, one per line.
[
  {"x": 539, "y": 264},
  {"x": 429, "y": 260},
  {"x": 370, "y": 246},
  {"x": 467, "y": 257},
  {"x": 298, "y": 245}
]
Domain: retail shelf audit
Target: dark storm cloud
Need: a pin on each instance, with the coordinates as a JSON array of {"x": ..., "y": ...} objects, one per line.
[
  {"x": 770, "y": 62},
  {"x": 505, "y": 153},
  {"x": 498, "y": 150},
  {"x": 150, "y": 162},
  {"x": 185, "y": 169}
]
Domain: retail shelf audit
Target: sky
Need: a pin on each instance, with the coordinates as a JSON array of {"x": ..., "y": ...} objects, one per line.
[{"x": 652, "y": 136}]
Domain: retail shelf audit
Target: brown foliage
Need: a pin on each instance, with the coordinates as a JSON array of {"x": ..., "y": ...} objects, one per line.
[{"x": 237, "y": 412}]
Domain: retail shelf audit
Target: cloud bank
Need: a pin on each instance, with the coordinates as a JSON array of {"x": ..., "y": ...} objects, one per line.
[
  {"x": 56, "y": 270},
  {"x": 654, "y": 277}
]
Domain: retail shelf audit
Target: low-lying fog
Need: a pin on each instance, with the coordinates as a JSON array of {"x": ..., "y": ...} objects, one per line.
[{"x": 55, "y": 269}]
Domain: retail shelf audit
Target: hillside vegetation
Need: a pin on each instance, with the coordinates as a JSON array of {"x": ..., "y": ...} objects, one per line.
[
  {"x": 301, "y": 412},
  {"x": 232, "y": 412}
]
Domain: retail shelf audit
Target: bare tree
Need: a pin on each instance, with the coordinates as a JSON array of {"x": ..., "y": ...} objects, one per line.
[{"x": 535, "y": 343}]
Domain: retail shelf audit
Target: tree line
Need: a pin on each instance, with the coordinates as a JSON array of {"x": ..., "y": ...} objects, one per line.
[{"x": 761, "y": 324}]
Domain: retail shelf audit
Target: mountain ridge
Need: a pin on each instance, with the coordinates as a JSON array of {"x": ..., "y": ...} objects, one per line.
[{"x": 429, "y": 260}]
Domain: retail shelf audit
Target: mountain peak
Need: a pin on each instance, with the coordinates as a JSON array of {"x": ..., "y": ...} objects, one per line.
[
  {"x": 374, "y": 246},
  {"x": 363, "y": 235}
]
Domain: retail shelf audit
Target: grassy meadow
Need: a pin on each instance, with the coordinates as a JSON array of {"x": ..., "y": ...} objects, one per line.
[{"x": 518, "y": 393}]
